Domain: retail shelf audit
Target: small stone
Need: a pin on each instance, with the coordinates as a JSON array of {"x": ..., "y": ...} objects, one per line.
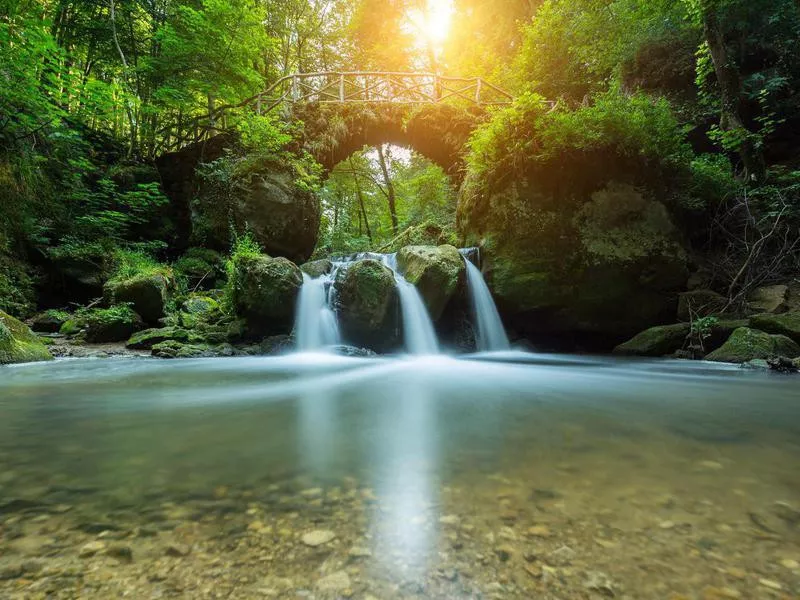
[
  {"x": 120, "y": 552},
  {"x": 358, "y": 552},
  {"x": 599, "y": 582},
  {"x": 449, "y": 520},
  {"x": 178, "y": 550},
  {"x": 714, "y": 593},
  {"x": 337, "y": 582},
  {"x": 534, "y": 571},
  {"x": 92, "y": 548},
  {"x": 667, "y": 525},
  {"x": 790, "y": 564},
  {"x": 504, "y": 553},
  {"x": 561, "y": 557},
  {"x": 737, "y": 573},
  {"x": 319, "y": 537},
  {"x": 312, "y": 493},
  {"x": 539, "y": 531},
  {"x": 787, "y": 512},
  {"x": 773, "y": 585}
]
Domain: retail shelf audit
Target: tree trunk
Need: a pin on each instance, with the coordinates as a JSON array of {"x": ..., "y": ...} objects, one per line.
[
  {"x": 730, "y": 86},
  {"x": 390, "y": 189},
  {"x": 361, "y": 200}
]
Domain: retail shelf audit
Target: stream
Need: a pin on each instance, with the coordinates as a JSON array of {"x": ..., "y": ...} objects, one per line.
[{"x": 502, "y": 475}]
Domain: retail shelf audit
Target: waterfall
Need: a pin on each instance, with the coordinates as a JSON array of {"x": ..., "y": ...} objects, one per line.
[
  {"x": 418, "y": 331},
  {"x": 490, "y": 334},
  {"x": 316, "y": 323}
]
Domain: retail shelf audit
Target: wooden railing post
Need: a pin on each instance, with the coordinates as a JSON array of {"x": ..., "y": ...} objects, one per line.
[
  {"x": 295, "y": 89},
  {"x": 478, "y": 89},
  {"x": 341, "y": 88}
]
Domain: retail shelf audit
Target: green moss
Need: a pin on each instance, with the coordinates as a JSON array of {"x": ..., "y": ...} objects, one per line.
[
  {"x": 145, "y": 340},
  {"x": 434, "y": 271},
  {"x": 746, "y": 344},
  {"x": 18, "y": 344},
  {"x": 787, "y": 324},
  {"x": 656, "y": 341},
  {"x": 104, "y": 325}
]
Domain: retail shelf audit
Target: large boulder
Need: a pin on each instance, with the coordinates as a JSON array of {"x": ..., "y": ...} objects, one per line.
[
  {"x": 265, "y": 200},
  {"x": 145, "y": 340},
  {"x": 108, "y": 325},
  {"x": 747, "y": 344},
  {"x": 576, "y": 254},
  {"x": 769, "y": 299},
  {"x": 656, "y": 341},
  {"x": 435, "y": 271},
  {"x": 264, "y": 292},
  {"x": 366, "y": 298},
  {"x": 50, "y": 321},
  {"x": 317, "y": 268},
  {"x": 18, "y": 344},
  {"x": 787, "y": 324},
  {"x": 148, "y": 294}
]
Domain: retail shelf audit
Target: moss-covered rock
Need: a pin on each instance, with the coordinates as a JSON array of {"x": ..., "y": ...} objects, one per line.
[
  {"x": 656, "y": 341},
  {"x": 769, "y": 299},
  {"x": 18, "y": 344},
  {"x": 202, "y": 268},
  {"x": 107, "y": 325},
  {"x": 366, "y": 298},
  {"x": 175, "y": 349},
  {"x": 435, "y": 271},
  {"x": 317, "y": 268},
  {"x": 199, "y": 309},
  {"x": 145, "y": 340},
  {"x": 148, "y": 294},
  {"x": 576, "y": 254},
  {"x": 747, "y": 344},
  {"x": 50, "y": 321},
  {"x": 787, "y": 324},
  {"x": 264, "y": 293}
]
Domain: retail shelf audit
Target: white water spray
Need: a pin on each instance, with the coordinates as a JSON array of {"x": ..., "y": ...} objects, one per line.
[
  {"x": 490, "y": 334},
  {"x": 316, "y": 323},
  {"x": 418, "y": 331}
]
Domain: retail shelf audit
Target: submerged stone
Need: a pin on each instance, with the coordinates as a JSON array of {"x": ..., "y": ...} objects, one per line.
[
  {"x": 18, "y": 344},
  {"x": 318, "y": 537}
]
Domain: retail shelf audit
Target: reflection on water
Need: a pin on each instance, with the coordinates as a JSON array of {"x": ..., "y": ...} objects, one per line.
[{"x": 505, "y": 475}]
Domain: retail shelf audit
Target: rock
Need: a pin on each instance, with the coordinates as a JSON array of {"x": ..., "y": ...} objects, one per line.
[
  {"x": 145, "y": 340},
  {"x": 746, "y": 344},
  {"x": 787, "y": 324},
  {"x": 358, "y": 552},
  {"x": 656, "y": 341},
  {"x": 177, "y": 550},
  {"x": 202, "y": 268},
  {"x": 49, "y": 321},
  {"x": 265, "y": 198},
  {"x": 173, "y": 349},
  {"x": 147, "y": 294},
  {"x": 90, "y": 549},
  {"x": 337, "y": 582},
  {"x": 585, "y": 255},
  {"x": 317, "y": 268},
  {"x": 264, "y": 292},
  {"x": 600, "y": 583},
  {"x": 318, "y": 538},
  {"x": 769, "y": 299},
  {"x": 700, "y": 303},
  {"x": 773, "y": 585},
  {"x": 18, "y": 344},
  {"x": 198, "y": 310},
  {"x": 504, "y": 553},
  {"x": 366, "y": 304},
  {"x": 539, "y": 531},
  {"x": 106, "y": 325},
  {"x": 781, "y": 364},
  {"x": 276, "y": 344},
  {"x": 121, "y": 553},
  {"x": 435, "y": 271},
  {"x": 786, "y": 512}
]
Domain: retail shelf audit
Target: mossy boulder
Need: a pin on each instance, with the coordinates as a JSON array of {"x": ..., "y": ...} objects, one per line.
[
  {"x": 264, "y": 293},
  {"x": 435, "y": 271},
  {"x": 18, "y": 344},
  {"x": 576, "y": 254},
  {"x": 787, "y": 324},
  {"x": 317, "y": 268},
  {"x": 656, "y": 341},
  {"x": 747, "y": 344},
  {"x": 202, "y": 268},
  {"x": 50, "y": 321},
  {"x": 104, "y": 325},
  {"x": 148, "y": 294},
  {"x": 199, "y": 309},
  {"x": 367, "y": 305},
  {"x": 145, "y": 340},
  {"x": 175, "y": 349}
]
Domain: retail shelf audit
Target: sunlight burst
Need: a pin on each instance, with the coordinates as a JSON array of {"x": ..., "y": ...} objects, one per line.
[{"x": 433, "y": 24}]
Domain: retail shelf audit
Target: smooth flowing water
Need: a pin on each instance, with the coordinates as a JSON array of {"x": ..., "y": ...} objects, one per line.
[
  {"x": 316, "y": 476},
  {"x": 490, "y": 333},
  {"x": 316, "y": 322}
]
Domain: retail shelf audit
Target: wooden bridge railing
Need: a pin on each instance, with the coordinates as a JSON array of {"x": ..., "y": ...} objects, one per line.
[{"x": 340, "y": 88}]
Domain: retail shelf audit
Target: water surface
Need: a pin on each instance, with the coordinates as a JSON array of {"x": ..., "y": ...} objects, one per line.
[{"x": 494, "y": 476}]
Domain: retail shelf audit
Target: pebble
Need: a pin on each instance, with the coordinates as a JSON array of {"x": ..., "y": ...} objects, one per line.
[
  {"x": 337, "y": 582},
  {"x": 504, "y": 553},
  {"x": 178, "y": 550},
  {"x": 359, "y": 552},
  {"x": 790, "y": 564},
  {"x": 121, "y": 553},
  {"x": 737, "y": 573},
  {"x": 92, "y": 548},
  {"x": 319, "y": 537},
  {"x": 787, "y": 512},
  {"x": 449, "y": 520},
  {"x": 667, "y": 525},
  {"x": 713, "y": 593},
  {"x": 539, "y": 531},
  {"x": 599, "y": 582},
  {"x": 773, "y": 585}
]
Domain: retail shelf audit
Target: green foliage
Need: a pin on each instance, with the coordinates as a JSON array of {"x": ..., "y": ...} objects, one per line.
[
  {"x": 712, "y": 182},
  {"x": 244, "y": 247},
  {"x": 129, "y": 264}
]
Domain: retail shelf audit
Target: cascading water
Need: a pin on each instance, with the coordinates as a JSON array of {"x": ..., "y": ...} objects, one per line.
[
  {"x": 418, "y": 331},
  {"x": 316, "y": 322},
  {"x": 490, "y": 333}
]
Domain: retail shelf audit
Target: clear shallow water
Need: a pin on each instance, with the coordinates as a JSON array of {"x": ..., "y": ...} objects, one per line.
[{"x": 506, "y": 475}]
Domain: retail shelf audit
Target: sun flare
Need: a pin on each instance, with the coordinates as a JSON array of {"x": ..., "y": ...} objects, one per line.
[{"x": 433, "y": 23}]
